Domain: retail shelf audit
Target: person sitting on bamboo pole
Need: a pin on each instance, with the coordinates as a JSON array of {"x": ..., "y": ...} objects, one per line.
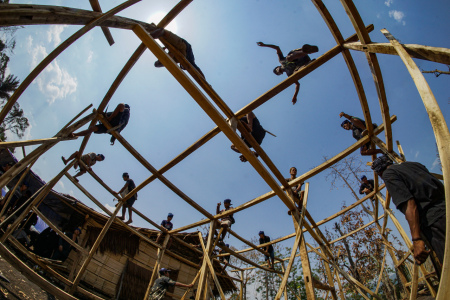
[
  {"x": 163, "y": 283},
  {"x": 180, "y": 44},
  {"x": 421, "y": 198},
  {"x": 292, "y": 62},
  {"x": 366, "y": 186},
  {"x": 296, "y": 190},
  {"x": 269, "y": 249},
  {"x": 167, "y": 224},
  {"x": 118, "y": 119},
  {"x": 224, "y": 259},
  {"x": 126, "y": 189},
  {"x": 89, "y": 159},
  {"x": 251, "y": 123},
  {"x": 358, "y": 128},
  {"x": 226, "y": 221}
]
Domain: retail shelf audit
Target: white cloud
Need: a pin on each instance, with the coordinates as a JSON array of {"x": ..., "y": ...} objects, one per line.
[
  {"x": 388, "y": 2},
  {"x": 90, "y": 55},
  {"x": 378, "y": 16},
  {"x": 61, "y": 184},
  {"x": 416, "y": 155},
  {"x": 397, "y": 15},
  {"x": 54, "y": 34},
  {"x": 435, "y": 163},
  {"x": 54, "y": 82}
]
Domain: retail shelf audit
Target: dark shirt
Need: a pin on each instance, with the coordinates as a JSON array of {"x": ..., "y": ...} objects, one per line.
[
  {"x": 291, "y": 66},
  {"x": 163, "y": 283},
  {"x": 167, "y": 224},
  {"x": 266, "y": 239},
  {"x": 124, "y": 118},
  {"x": 413, "y": 180},
  {"x": 225, "y": 258},
  {"x": 356, "y": 131},
  {"x": 131, "y": 186},
  {"x": 370, "y": 185},
  {"x": 256, "y": 127}
]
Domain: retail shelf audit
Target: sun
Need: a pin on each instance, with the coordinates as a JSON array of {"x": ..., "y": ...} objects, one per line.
[{"x": 158, "y": 16}]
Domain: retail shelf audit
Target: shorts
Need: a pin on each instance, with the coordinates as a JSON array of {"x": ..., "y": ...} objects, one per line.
[
  {"x": 114, "y": 122},
  {"x": 130, "y": 201},
  {"x": 258, "y": 135},
  {"x": 271, "y": 255},
  {"x": 365, "y": 147},
  {"x": 226, "y": 222}
]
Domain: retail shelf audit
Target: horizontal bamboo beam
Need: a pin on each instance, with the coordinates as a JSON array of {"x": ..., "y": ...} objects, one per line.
[
  {"x": 436, "y": 54},
  {"x": 15, "y": 144}
]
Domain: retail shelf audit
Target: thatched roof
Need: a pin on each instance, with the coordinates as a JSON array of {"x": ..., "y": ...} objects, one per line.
[{"x": 67, "y": 213}]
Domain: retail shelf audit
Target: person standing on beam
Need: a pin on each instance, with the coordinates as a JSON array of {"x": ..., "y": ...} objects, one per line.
[
  {"x": 292, "y": 62},
  {"x": 358, "y": 128},
  {"x": 296, "y": 190},
  {"x": 269, "y": 249},
  {"x": 180, "y": 44},
  {"x": 118, "y": 119},
  {"x": 226, "y": 221},
  {"x": 126, "y": 189}
]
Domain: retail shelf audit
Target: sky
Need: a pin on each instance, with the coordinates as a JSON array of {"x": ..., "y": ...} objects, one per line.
[{"x": 165, "y": 120}]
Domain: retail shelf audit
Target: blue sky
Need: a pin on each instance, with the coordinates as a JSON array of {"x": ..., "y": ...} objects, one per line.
[{"x": 165, "y": 120}]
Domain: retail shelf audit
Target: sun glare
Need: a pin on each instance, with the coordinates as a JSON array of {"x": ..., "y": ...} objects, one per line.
[{"x": 158, "y": 16}]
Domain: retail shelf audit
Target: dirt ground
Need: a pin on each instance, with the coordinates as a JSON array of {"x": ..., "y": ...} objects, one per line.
[{"x": 19, "y": 287}]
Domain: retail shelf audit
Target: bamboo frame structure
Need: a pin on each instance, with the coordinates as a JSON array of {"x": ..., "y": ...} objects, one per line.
[{"x": 199, "y": 89}]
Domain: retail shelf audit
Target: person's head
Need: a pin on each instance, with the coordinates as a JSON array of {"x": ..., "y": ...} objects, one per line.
[
  {"x": 293, "y": 171},
  {"x": 380, "y": 164},
  {"x": 261, "y": 234},
  {"x": 347, "y": 125},
  {"x": 227, "y": 203},
  {"x": 125, "y": 176},
  {"x": 77, "y": 231},
  {"x": 24, "y": 186},
  {"x": 158, "y": 64},
  {"x": 100, "y": 157},
  {"x": 170, "y": 216},
  {"x": 164, "y": 272},
  {"x": 278, "y": 70},
  {"x": 364, "y": 178},
  {"x": 7, "y": 166}
]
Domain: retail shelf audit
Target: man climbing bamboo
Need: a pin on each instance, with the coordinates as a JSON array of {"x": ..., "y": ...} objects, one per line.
[
  {"x": 366, "y": 186},
  {"x": 180, "y": 44},
  {"x": 226, "y": 221},
  {"x": 358, "y": 128},
  {"x": 252, "y": 125},
  {"x": 292, "y": 62},
  {"x": 118, "y": 119},
  {"x": 163, "y": 283},
  {"x": 89, "y": 160},
  {"x": 263, "y": 239},
  {"x": 421, "y": 198},
  {"x": 167, "y": 224},
  {"x": 296, "y": 190}
]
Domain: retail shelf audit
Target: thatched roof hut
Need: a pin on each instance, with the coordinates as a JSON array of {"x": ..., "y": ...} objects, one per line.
[{"x": 122, "y": 266}]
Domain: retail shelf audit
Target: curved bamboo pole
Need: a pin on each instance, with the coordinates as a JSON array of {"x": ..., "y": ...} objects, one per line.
[
  {"x": 442, "y": 136},
  {"x": 63, "y": 46},
  {"x": 363, "y": 36}
]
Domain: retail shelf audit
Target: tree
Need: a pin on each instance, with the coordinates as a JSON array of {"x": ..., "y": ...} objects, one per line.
[
  {"x": 15, "y": 121},
  {"x": 360, "y": 253}
]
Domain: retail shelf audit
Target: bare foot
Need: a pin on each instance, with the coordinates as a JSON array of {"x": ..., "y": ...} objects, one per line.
[
  {"x": 242, "y": 158},
  {"x": 122, "y": 218},
  {"x": 129, "y": 222},
  {"x": 76, "y": 179},
  {"x": 64, "y": 160}
]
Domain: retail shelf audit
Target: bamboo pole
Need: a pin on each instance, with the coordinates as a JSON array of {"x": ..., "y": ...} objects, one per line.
[
  {"x": 241, "y": 287},
  {"x": 442, "y": 136},
  {"x": 372, "y": 60},
  {"x": 189, "y": 289},
  {"x": 436, "y": 54},
  {"x": 203, "y": 274},
  {"x": 210, "y": 266},
  {"x": 96, "y": 7},
  {"x": 58, "y": 50},
  {"x": 381, "y": 270},
  {"x": 415, "y": 282},
  {"x": 285, "y": 289},
  {"x": 156, "y": 267},
  {"x": 4, "y": 145}
]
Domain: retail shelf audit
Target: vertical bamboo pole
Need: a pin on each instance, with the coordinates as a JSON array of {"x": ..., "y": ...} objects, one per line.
[
  {"x": 241, "y": 288},
  {"x": 442, "y": 136},
  {"x": 285, "y": 290},
  {"x": 201, "y": 285},
  {"x": 156, "y": 268},
  {"x": 415, "y": 281}
]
